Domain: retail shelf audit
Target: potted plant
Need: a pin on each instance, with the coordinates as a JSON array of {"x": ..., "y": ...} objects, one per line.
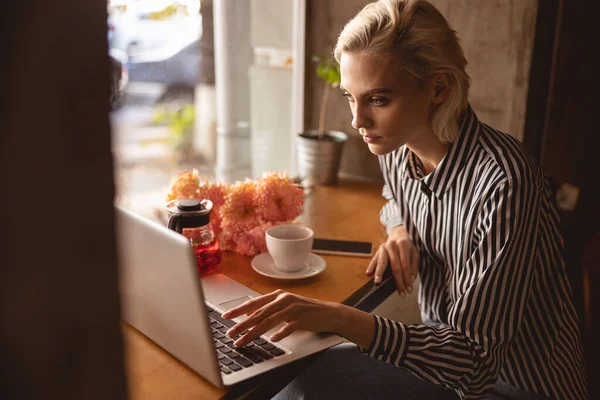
[{"x": 320, "y": 151}]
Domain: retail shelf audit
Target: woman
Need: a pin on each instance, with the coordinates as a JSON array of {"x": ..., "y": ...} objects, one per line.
[{"x": 468, "y": 210}]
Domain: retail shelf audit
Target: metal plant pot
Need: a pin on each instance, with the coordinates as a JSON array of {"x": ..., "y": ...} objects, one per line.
[{"x": 319, "y": 160}]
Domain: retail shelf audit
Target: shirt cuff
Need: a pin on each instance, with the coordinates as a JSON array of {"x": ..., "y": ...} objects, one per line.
[
  {"x": 389, "y": 342},
  {"x": 392, "y": 222}
]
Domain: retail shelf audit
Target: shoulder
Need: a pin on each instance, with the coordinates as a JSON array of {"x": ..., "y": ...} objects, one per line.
[{"x": 514, "y": 164}]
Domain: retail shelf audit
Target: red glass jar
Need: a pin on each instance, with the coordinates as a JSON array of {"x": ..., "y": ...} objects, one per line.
[{"x": 191, "y": 218}]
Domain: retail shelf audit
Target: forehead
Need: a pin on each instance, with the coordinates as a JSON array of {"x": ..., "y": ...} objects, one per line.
[{"x": 365, "y": 71}]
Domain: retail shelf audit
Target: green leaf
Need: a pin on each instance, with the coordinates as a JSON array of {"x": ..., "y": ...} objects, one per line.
[
  {"x": 327, "y": 70},
  {"x": 160, "y": 116},
  {"x": 333, "y": 77},
  {"x": 180, "y": 123},
  {"x": 322, "y": 71}
]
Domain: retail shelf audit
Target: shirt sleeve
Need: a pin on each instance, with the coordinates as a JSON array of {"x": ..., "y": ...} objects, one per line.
[
  {"x": 390, "y": 214},
  {"x": 468, "y": 353}
]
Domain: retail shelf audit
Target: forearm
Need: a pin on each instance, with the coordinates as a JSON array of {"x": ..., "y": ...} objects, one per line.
[
  {"x": 443, "y": 356},
  {"x": 355, "y": 325}
]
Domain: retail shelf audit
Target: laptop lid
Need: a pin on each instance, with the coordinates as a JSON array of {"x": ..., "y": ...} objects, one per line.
[{"x": 161, "y": 294}]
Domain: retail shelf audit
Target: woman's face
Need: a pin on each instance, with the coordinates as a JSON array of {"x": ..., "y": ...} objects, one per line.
[{"x": 388, "y": 107}]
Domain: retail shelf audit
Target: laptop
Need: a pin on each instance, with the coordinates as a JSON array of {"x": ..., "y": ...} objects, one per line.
[{"x": 164, "y": 297}]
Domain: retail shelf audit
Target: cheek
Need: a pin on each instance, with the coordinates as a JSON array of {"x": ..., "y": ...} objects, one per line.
[
  {"x": 398, "y": 126},
  {"x": 391, "y": 121},
  {"x": 406, "y": 117}
]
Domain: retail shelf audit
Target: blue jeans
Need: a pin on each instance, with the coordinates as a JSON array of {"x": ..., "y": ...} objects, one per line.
[{"x": 342, "y": 372}]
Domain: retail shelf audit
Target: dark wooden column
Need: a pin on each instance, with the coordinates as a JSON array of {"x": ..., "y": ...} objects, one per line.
[
  {"x": 60, "y": 330},
  {"x": 562, "y": 132}
]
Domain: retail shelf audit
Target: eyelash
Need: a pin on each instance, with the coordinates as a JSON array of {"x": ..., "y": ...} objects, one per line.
[
  {"x": 376, "y": 100},
  {"x": 379, "y": 101}
]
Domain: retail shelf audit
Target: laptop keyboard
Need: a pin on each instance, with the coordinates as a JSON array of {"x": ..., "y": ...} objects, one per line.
[{"x": 233, "y": 359}]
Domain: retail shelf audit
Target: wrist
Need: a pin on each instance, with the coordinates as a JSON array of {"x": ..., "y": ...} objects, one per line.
[
  {"x": 398, "y": 232},
  {"x": 337, "y": 318},
  {"x": 352, "y": 324}
]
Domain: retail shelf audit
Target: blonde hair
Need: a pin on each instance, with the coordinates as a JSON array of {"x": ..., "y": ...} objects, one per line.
[{"x": 427, "y": 45}]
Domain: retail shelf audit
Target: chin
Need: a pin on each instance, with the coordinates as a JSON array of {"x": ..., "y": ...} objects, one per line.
[{"x": 380, "y": 150}]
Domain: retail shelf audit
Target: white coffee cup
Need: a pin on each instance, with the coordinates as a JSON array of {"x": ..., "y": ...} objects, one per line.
[{"x": 289, "y": 246}]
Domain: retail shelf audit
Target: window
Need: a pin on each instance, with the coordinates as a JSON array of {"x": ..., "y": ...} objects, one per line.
[{"x": 164, "y": 95}]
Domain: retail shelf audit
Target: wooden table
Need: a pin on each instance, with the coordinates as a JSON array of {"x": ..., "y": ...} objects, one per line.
[{"x": 347, "y": 211}]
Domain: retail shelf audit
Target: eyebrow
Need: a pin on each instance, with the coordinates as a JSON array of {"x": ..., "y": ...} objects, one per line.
[{"x": 372, "y": 91}]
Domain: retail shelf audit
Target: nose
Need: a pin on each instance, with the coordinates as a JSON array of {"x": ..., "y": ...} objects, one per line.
[{"x": 360, "y": 119}]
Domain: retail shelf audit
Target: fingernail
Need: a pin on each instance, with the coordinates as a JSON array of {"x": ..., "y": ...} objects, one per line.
[
  {"x": 403, "y": 295},
  {"x": 377, "y": 279},
  {"x": 409, "y": 289},
  {"x": 274, "y": 338},
  {"x": 225, "y": 315},
  {"x": 229, "y": 334}
]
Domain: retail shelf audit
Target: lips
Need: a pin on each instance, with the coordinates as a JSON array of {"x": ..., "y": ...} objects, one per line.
[{"x": 371, "y": 139}]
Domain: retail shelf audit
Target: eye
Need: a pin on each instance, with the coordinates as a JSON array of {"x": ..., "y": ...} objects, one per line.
[
  {"x": 348, "y": 96},
  {"x": 379, "y": 101}
]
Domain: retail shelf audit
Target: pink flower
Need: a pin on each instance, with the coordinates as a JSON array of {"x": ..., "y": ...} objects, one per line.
[
  {"x": 278, "y": 199},
  {"x": 184, "y": 185},
  {"x": 258, "y": 236},
  {"x": 244, "y": 243},
  {"x": 215, "y": 222},
  {"x": 239, "y": 213},
  {"x": 226, "y": 242},
  {"x": 243, "y": 212},
  {"x": 216, "y": 193}
]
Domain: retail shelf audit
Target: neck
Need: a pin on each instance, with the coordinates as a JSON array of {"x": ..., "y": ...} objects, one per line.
[{"x": 429, "y": 149}]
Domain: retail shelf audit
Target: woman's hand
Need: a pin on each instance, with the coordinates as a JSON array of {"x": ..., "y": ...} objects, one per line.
[
  {"x": 402, "y": 256},
  {"x": 270, "y": 310}
]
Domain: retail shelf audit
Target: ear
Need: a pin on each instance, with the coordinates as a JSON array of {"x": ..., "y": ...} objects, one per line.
[{"x": 441, "y": 87}]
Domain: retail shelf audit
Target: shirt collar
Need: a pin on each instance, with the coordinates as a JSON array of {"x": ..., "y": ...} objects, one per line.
[{"x": 442, "y": 177}]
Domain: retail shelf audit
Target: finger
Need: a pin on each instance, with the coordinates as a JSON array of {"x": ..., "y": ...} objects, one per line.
[
  {"x": 373, "y": 263},
  {"x": 265, "y": 325},
  {"x": 381, "y": 265},
  {"x": 394, "y": 256},
  {"x": 250, "y": 313},
  {"x": 396, "y": 268},
  {"x": 251, "y": 305},
  {"x": 285, "y": 331},
  {"x": 406, "y": 255},
  {"x": 256, "y": 318},
  {"x": 416, "y": 258}
]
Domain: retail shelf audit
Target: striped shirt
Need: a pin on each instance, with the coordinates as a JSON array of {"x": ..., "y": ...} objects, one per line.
[{"x": 494, "y": 296}]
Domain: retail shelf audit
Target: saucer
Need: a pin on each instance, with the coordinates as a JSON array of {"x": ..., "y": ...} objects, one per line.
[{"x": 264, "y": 265}]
